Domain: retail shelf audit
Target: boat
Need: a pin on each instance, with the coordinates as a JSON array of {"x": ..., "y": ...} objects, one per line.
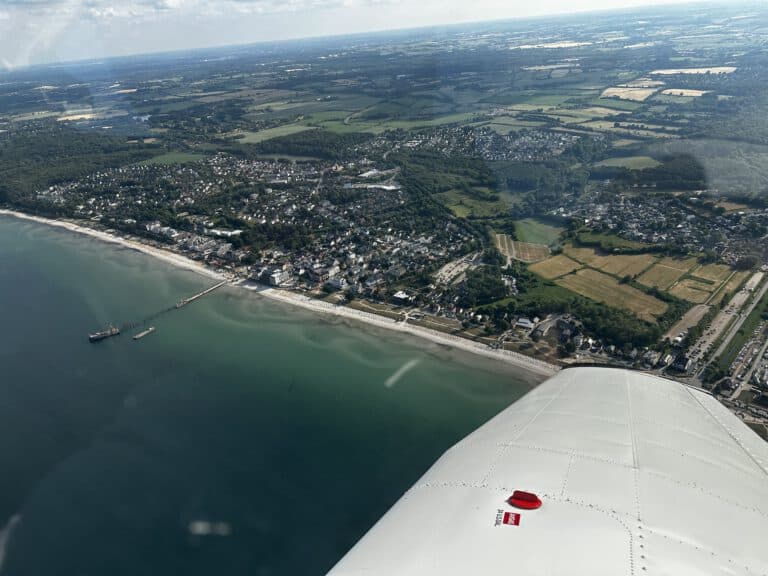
[
  {"x": 104, "y": 334},
  {"x": 146, "y": 332}
]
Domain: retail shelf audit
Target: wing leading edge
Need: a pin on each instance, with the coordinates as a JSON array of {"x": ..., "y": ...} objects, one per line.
[{"x": 637, "y": 475}]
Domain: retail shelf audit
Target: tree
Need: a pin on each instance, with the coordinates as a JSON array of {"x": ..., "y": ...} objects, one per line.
[{"x": 747, "y": 262}]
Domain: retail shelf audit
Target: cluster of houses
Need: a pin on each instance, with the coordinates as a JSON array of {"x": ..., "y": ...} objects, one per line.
[
  {"x": 347, "y": 217},
  {"x": 683, "y": 222},
  {"x": 523, "y": 145}
]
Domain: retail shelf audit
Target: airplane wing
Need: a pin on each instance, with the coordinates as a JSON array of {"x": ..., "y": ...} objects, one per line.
[{"x": 636, "y": 475}]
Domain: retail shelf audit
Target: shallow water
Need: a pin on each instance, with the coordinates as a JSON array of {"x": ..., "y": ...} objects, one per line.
[{"x": 242, "y": 437}]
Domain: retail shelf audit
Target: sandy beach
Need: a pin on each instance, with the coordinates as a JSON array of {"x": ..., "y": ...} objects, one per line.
[
  {"x": 171, "y": 257},
  {"x": 519, "y": 360}
]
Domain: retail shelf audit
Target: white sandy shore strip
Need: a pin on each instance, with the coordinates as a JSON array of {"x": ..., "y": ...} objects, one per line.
[
  {"x": 180, "y": 261},
  {"x": 514, "y": 358},
  {"x": 171, "y": 257}
]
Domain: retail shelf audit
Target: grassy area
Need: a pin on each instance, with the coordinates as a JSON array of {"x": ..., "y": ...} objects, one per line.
[
  {"x": 618, "y": 265},
  {"x": 692, "y": 291},
  {"x": 607, "y": 290},
  {"x": 715, "y": 273},
  {"x": 666, "y": 272},
  {"x": 731, "y": 287},
  {"x": 538, "y": 232},
  {"x": 463, "y": 205},
  {"x": 555, "y": 267},
  {"x": 173, "y": 158},
  {"x": 630, "y": 162},
  {"x": 269, "y": 133},
  {"x": 355, "y": 125},
  {"x": 608, "y": 242},
  {"x": 521, "y": 251},
  {"x": 513, "y": 125},
  {"x": 624, "y": 105}
]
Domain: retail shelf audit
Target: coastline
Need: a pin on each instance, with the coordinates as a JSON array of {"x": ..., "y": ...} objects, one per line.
[
  {"x": 166, "y": 255},
  {"x": 518, "y": 360}
]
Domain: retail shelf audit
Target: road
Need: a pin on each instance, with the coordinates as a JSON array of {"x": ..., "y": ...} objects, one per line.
[
  {"x": 740, "y": 320},
  {"x": 757, "y": 361},
  {"x": 723, "y": 319}
]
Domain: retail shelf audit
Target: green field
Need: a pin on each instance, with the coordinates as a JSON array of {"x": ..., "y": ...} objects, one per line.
[
  {"x": 538, "y": 232},
  {"x": 173, "y": 158},
  {"x": 269, "y": 133},
  {"x": 617, "y": 104},
  {"x": 630, "y": 162},
  {"x": 608, "y": 241},
  {"x": 463, "y": 205}
]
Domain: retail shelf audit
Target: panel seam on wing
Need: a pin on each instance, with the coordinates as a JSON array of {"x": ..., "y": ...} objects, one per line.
[
  {"x": 633, "y": 439},
  {"x": 504, "y": 449},
  {"x": 701, "y": 549},
  {"x": 693, "y": 456},
  {"x": 692, "y": 485},
  {"x": 730, "y": 433},
  {"x": 576, "y": 453}
]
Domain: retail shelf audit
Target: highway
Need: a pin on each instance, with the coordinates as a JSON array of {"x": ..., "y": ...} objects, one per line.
[
  {"x": 734, "y": 315},
  {"x": 756, "y": 362},
  {"x": 740, "y": 320}
]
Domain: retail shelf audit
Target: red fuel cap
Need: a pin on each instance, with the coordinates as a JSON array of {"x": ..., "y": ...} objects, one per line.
[{"x": 524, "y": 500}]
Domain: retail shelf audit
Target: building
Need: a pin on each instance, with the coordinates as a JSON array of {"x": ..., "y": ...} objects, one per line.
[{"x": 279, "y": 277}]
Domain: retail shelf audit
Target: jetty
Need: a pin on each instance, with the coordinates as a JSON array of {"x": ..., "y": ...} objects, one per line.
[
  {"x": 185, "y": 301},
  {"x": 114, "y": 331}
]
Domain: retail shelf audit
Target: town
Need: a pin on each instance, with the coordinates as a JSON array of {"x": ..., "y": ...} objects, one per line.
[{"x": 593, "y": 199}]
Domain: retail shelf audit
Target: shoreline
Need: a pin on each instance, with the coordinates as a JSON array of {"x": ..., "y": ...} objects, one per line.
[
  {"x": 527, "y": 363},
  {"x": 166, "y": 255}
]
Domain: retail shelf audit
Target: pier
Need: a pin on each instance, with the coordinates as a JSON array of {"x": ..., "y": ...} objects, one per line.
[
  {"x": 112, "y": 331},
  {"x": 185, "y": 301}
]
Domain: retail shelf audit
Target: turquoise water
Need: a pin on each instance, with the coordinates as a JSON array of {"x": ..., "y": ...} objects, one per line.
[{"x": 242, "y": 437}]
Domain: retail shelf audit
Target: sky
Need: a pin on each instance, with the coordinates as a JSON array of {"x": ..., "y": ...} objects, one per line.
[{"x": 38, "y": 31}]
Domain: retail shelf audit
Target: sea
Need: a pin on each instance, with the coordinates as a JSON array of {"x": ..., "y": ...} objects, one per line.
[{"x": 243, "y": 436}]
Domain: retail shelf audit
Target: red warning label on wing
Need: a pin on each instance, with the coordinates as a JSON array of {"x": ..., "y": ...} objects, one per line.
[
  {"x": 507, "y": 518},
  {"x": 511, "y": 519}
]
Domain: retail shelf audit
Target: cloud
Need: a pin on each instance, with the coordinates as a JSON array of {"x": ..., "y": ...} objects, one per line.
[
  {"x": 35, "y": 31},
  {"x": 110, "y": 8}
]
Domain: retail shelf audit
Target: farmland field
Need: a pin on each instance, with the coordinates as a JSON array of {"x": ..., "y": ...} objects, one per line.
[
  {"x": 686, "y": 93},
  {"x": 712, "y": 70},
  {"x": 608, "y": 241},
  {"x": 731, "y": 287},
  {"x": 607, "y": 290},
  {"x": 618, "y": 265},
  {"x": 692, "y": 291},
  {"x": 632, "y": 94},
  {"x": 269, "y": 133},
  {"x": 522, "y": 251},
  {"x": 716, "y": 273},
  {"x": 630, "y": 162},
  {"x": 538, "y": 231},
  {"x": 555, "y": 267},
  {"x": 463, "y": 205},
  {"x": 666, "y": 272}
]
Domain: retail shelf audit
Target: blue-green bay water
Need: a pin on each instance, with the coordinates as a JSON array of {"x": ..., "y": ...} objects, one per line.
[{"x": 243, "y": 437}]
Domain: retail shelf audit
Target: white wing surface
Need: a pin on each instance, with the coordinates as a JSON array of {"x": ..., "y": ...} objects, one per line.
[{"x": 636, "y": 474}]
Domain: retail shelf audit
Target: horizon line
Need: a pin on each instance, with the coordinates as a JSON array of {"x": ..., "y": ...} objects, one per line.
[{"x": 542, "y": 17}]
